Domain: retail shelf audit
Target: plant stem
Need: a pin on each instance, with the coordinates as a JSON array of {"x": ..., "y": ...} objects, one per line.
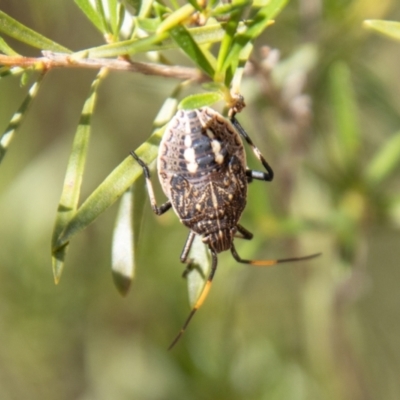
[{"x": 62, "y": 60}]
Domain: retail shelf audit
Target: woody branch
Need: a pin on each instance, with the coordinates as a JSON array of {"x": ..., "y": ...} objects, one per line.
[{"x": 61, "y": 60}]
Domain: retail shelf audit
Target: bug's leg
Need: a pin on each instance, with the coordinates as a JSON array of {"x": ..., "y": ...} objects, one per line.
[
  {"x": 259, "y": 175},
  {"x": 185, "y": 253},
  {"x": 245, "y": 234},
  {"x": 200, "y": 300},
  {"x": 188, "y": 245},
  {"x": 269, "y": 263},
  {"x": 157, "y": 209}
]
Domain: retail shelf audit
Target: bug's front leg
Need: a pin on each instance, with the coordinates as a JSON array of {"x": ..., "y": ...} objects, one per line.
[
  {"x": 159, "y": 210},
  {"x": 259, "y": 175}
]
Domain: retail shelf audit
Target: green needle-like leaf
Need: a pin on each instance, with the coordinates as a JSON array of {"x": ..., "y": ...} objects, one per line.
[
  {"x": 6, "y": 49},
  {"x": 200, "y": 100},
  {"x": 229, "y": 8},
  {"x": 18, "y": 31},
  {"x": 385, "y": 161},
  {"x": 226, "y": 44},
  {"x": 236, "y": 80},
  {"x": 122, "y": 255},
  {"x": 255, "y": 27},
  {"x": 345, "y": 110},
  {"x": 131, "y": 47},
  {"x": 102, "y": 16},
  {"x": 198, "y": 269},
  {"x": 145, "y": 8},
  {"x": 203, "y": 35},
  {"x": 387, "y": 28},
  {"x": 114, "y": 15},
  {"x": 123, "y": 176},
  {"x": 176, "y": 18},
  {"x": 73, "y": 177},
  {"x": 17, "y": 118},
  {"x": 186, "y": 42},
  {"x": 91, "y": 13},
  {"x": 112, "y": 188}
]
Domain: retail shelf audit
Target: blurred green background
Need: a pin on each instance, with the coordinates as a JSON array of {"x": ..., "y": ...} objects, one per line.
[{"x": 324, "y": 329}]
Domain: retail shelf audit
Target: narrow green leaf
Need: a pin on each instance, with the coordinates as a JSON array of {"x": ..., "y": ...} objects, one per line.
[
  {"x": 236, "y": 80},
  {"x": 176, "y": 18},
  {"x": 207, "y": 34},
  {"x": 262, "y": 19},
  {"x": 200, "y": 100},
  {"x": 122, "y": 254},
  {"x": 17, "y": 118},
  {"x": 120, "y": 179},
  {"x": 112, "y": 188},
  {"x": 160, "y": 10},
  {"x": 113, "y": 9},
  {"x": 385, "y": 160},
  {"x": 168, "y": 109},
  {"x": 126, "y": 235},
  {"x": 148, "y": 24},
  {"x": 186, "y": 42},
  {"x": 91, "y": 13},
  {"x": 24, "y": 34},
  {"x": 202, "y": 35},
  {"x": 6, "y": 49},
  {"x": 121, "y": 10},
  {"x": 387, "y": 28},
  {"x": 145, "y": 8},
  {"x": 226, "y": 44},
  {"x": 74, "y": 175},
  {"x": 345, "y": 110},
  {"x": 131, "y": 47},
  {"x": 229, "y": 8},
  {"x": 102, "y": 16},
  {"x": 198, "y": 269}
]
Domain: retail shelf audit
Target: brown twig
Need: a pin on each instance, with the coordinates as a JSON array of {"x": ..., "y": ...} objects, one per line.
[{"x": 62, "y": 60}]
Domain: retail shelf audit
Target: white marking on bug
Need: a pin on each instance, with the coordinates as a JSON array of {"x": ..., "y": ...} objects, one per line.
[
  {"x": 210, "y": 133},
  {"x": 192, "y": 167},
  {"x": 188, "y": 141},
  {"x": 216, "y": 148},
  {"x": 214, "y": 199},
  {"x": 189, "y": 155}
]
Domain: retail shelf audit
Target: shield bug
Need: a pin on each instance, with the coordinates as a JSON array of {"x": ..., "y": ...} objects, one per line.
[{"x": 203, "y": 172}]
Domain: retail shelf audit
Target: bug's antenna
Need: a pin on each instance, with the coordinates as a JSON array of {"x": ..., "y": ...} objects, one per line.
[
  {"x": 270, "y": 263},
  {"x": 200, "y": 300}
]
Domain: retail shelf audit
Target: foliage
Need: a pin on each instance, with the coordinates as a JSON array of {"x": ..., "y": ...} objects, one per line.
[{"x": 326, "y": 120}]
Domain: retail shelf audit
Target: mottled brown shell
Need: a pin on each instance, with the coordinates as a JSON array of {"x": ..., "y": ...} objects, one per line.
[{"x": 202, "y": 170}]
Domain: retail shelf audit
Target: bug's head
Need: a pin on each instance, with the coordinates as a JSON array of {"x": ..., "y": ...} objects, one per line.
[{"x": 220, "y": 240}]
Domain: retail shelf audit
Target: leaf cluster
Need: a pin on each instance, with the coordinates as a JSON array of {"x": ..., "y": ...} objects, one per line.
[{"x": 216, "y": 38}]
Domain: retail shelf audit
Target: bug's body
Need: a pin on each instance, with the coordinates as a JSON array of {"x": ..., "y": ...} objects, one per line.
[{"x": 202, "y": 170}]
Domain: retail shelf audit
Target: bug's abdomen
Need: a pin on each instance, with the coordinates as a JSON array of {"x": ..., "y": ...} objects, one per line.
[
  {"x": 221, "y": 196},
  {"x": 202, "y": 170}
]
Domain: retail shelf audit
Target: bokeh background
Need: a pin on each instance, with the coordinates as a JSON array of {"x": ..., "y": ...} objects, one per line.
[{"x": 323, "y": 329}]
